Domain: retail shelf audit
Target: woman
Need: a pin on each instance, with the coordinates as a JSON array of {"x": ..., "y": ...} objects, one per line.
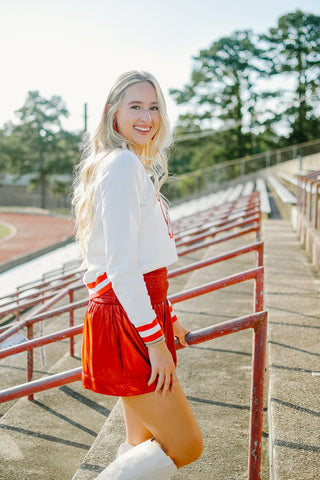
[{"x": 124, "y": 230}]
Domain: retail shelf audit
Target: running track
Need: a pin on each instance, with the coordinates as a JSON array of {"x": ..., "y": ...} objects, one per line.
[{"x": 31, "y": 233}]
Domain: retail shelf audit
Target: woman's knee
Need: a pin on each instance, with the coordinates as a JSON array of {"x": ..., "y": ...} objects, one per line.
[{"x": 188, "y": 451}]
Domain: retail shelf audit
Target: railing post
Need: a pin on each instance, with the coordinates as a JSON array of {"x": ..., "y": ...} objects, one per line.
[
  {"x": 242, "y": 167},
  {"x": 268, "y": 159},
  {"x": 309, "y": 200},
  {"x": 299, "y": 197},
  {"x": 294, "y": 152},
  {"x": 258, "y": 291},
  {"x": 258, "y": 231},
  {"x": 71, "y": 322},
  {"x": 305, "y": 198},
  {"x": 316, "y": 207},
  {"x": 256, "y": 406},
  {"x": 30, "y": 358},
  {"x": 260, "y": 253}
]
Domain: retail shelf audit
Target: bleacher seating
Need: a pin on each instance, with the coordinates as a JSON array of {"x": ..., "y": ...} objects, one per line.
[
  {"x": 264, "y": 198},
  {"x": 191, "y": 216},
  {"x": 284, "y": 194}
]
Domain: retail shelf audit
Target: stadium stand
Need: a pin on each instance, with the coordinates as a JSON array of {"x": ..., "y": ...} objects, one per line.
[{"x": 75, "y": 433}]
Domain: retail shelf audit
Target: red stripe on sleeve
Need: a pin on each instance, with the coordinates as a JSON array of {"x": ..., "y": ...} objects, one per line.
[
  {"x": 153, "y": 337},
  {"x": 144, "y": 328}
]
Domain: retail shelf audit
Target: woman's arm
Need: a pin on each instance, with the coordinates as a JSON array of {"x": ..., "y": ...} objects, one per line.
[{"x": 121, "y": 192}]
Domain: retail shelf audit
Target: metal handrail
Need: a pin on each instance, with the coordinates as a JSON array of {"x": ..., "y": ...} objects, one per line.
[
  {"x": 41, "y": 341},
  {"x": 307, "y": 197},
  {"x": 225, "y": 228},
  {"x": 252, "y": 274},
  {"x": 24, "y": 323},
  {"x": 258, "y": 247},
  {"x": 35, "y": 284},
  {"x": 211, "y": 286},
  {"x": 217, "y": 221},
  {"x": 257, "y": 321},
  {"x": 26, "y": 302},
  {"x": 254, "y": 229},
  {"x": 69, "y": 332},
  {"x": 249, "y": 201}
]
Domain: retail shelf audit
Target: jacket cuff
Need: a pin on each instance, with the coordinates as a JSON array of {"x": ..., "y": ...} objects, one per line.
[
  {"x": 172, "y": 313},
  {"x": 155, "y": 342},
  {"x": 151, "y": 333}
]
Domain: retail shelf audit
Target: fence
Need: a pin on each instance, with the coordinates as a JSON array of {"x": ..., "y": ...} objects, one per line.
[{"x": 201, "y": 179}]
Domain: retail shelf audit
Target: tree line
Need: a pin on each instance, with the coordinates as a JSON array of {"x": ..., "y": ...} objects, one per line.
[
  {"x": 38, "y": 144},
  {"x": 248, "y": 92}
]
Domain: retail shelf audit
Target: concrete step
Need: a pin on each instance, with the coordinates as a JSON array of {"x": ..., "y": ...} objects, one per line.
[
  {"x": 47, "y": 438},
  {"x": 292, "y": 299},
  {"x": 13, "y": 369},
  {"x": 216, "y": 377}
]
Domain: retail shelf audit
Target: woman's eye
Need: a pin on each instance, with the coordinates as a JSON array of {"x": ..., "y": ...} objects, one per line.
[
  {"x": 155, "y": 108},
  {"x": 135, "y": 107}
]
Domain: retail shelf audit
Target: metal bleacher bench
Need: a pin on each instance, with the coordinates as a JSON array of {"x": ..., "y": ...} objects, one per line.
[
  {"x": 264, "y": 199},
  {"x": 289, "y": 179},
  {"x": 283, "y": 193}
]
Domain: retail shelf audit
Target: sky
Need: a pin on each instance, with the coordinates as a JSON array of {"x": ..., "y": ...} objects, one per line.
[{"x": 78, "y": 48}]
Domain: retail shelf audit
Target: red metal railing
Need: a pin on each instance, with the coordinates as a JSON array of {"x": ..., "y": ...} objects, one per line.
[
  {"x": 308, "y": 196},
  {"x": 217, "y": 218},
  {"x": 217, "y": 212},
  {"x": 258, "y": 247},
  {"x": 17, "y": 303},
  {"x": 257, "y": 321},
  {"x": 191, "y": 239},
  {"x": 43, "y": 313},
  {"x": 53, "y": 299},
  {"x": 255, "y": 274},
  {"x": 255, "y": 228}
]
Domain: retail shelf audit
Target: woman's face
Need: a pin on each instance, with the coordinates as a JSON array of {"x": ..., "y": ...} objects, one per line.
[{"x": 138, "y": 117}]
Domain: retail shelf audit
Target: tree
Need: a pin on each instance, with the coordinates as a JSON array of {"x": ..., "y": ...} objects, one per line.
[
  {"x": 37, "y": 143},
  {"x": 223, "y": 87},
  {"x": 293, "y": 46}
]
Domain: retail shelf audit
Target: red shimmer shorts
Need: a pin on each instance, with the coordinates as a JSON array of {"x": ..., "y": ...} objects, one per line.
[{"x": 115, "y": 359}]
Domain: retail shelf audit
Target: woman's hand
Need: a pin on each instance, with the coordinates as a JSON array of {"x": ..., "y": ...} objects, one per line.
[
  {"x": 180, "y": 332},
  {"x": 163, "y": 368}
]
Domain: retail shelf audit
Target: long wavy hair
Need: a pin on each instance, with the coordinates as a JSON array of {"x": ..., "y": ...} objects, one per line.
[{"x": 107, "y": 139}]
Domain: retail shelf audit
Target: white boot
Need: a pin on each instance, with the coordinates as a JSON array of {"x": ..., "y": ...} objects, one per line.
[
  {"x": 144, "y": 462},
  {"x": 124, "y": 447}
]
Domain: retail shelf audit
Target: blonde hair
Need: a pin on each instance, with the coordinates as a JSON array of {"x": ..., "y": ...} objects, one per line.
[{"x": 106, "y": 139}]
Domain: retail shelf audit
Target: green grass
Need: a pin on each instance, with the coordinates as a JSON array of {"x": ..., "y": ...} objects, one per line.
[{"x": 4, "y": 230}]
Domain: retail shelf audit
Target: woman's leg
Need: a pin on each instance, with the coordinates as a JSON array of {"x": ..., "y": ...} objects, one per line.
[
  {"x": 170, "y": 421},
  {"x": 177, "y": 437},
  {"x": 136, "y": 432}
]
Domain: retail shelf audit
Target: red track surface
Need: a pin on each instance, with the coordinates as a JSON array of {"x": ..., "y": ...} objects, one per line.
[{"x": 33, "y": 232}]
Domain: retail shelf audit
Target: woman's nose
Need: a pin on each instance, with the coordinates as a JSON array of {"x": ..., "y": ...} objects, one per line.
[{"x": 145, "y": 115}]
